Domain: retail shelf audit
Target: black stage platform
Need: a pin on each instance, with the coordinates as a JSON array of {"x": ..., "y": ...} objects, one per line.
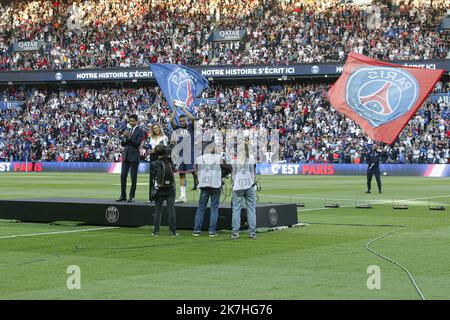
[{"x": 111, "y": 213}]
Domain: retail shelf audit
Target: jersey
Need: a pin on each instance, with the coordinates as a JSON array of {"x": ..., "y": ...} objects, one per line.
[
  {"x": 209, "y": 171},
  {"x": 243, "y": 175},
  {"x": 180, "y": 134}
]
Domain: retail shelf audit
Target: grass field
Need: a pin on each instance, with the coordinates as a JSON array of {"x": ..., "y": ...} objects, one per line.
[{"x": 325, "y": 260}]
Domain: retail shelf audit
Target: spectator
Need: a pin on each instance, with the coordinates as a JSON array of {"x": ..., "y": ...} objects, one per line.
[
  {"x": 82, "y": 124},
  {"x": 117, "y": 33}
]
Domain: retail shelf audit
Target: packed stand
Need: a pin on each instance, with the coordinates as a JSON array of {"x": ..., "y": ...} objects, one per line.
[
  {"x": 85, "y": 124},
  {"x": 119, "y": 33}
]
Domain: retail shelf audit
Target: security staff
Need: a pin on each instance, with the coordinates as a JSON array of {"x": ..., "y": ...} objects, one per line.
[
  {"x": 373, "y": 167},
  {"x": 35, "y": 154}
]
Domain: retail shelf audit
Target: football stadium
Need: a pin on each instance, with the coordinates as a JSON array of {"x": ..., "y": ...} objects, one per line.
[{"x": 225, "y": 150}]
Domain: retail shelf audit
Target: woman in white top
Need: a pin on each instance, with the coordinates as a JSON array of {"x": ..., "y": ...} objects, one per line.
[{"x": 157, "y": 136}]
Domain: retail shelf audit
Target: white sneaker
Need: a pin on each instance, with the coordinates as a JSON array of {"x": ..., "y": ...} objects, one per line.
[{"x": 181, "y": 200}]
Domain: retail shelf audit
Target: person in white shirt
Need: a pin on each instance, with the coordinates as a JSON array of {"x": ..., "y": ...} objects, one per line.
[
  {"x": 209, "y": 169},
  {"x": 244, "y": 188}
]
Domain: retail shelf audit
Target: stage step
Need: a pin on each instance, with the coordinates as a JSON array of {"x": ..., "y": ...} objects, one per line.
[{"x": 106, "y": 212}]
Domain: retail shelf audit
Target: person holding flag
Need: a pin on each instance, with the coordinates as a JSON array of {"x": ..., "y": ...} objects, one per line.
[
  {"x": 381, "y": 98},
  {"x": 180, "y": 86},
  {"x": 185, "y": 130},
  {"x": 373, "y": 166}
]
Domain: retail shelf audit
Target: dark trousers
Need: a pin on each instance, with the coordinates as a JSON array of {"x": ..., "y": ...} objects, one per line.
[
  {"x": 170, "y": 202},
  {"x": 133, "y": 167},
  {"x": 370, "y": 173},
  {"x": 153, "y": 157}
]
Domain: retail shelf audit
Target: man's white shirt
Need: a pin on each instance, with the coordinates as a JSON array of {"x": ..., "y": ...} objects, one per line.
[
  {"x": 243, "y": 174},
  {"x": 209, "y": 171}
]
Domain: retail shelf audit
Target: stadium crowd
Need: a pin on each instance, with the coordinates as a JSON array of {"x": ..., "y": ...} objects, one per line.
[
  {"x": 82, "y": 124},
  {"x": 118, "y": 33}
]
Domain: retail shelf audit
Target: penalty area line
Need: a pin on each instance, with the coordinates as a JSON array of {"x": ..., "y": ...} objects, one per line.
[{"x": 54, "y": 232}]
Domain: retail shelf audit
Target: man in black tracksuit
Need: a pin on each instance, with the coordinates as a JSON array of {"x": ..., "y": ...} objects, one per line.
[{"x": 373, "y": 167}]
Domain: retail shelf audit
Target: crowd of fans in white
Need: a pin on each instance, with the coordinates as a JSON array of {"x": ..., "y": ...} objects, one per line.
[
  {"x": 84, "y": 124},
  {"x": 118, "y": 33}
]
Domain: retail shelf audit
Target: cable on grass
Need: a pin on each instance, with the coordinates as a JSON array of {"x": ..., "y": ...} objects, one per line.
[
  {"x": 393, "y": 261},
  {"x": 26, "y": 262},
  {"x": 155, "y": 245},
  {"x": 399, "y": 228}
]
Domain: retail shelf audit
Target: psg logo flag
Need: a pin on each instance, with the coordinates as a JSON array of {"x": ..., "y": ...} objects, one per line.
[
  {"x": 179, "y": 83},
  {"x": 381, "y": 97}
]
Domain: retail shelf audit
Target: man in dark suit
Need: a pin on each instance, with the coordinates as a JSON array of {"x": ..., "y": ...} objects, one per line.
[
  {"x": 373, "y": 167},
  {"x": 131, "y": 140}
]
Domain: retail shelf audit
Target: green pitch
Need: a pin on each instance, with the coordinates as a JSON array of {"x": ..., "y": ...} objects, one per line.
[{"x": 320, "y": 261}]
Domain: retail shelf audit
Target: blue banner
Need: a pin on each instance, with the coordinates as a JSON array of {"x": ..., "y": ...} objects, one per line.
[
  {"x": 440, "y": 97},
  {"x": 227, "y": 35},
  {"x": 179, "y": 84},
  {"x": 11, "y": 105},
  {"x": 27, "y": 46},
  {"x": 209, "y": 101}
]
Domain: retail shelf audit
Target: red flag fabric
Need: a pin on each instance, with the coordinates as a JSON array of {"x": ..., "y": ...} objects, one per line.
[{"x": 381, "y": 97}]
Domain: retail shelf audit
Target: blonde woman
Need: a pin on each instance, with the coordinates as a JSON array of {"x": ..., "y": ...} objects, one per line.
[{"x": 157, "y": 137}]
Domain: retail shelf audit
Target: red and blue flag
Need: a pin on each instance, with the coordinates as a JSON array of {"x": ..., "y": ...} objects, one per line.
[{"x": 381, "y": 97}]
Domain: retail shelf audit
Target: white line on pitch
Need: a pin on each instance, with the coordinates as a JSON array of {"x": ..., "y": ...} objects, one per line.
[
  {"x": 138, "y": 184},
  {"x": 342, "y": 199},
  {"x": 300, "y": 197},
  {"x": 55, "y": 232},
  {"x": 28, "y": 176}
]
